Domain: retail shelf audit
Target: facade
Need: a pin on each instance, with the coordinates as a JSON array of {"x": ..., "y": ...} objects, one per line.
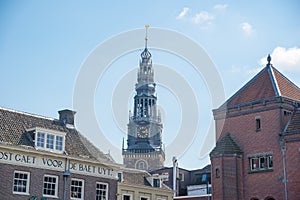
[
  {"x": 190, "y": 184},
  {"x": 258, "y": 138},
  {"x": 144, "y": 138},
  {"x": 46, "y": 158},
  {"x": 140, "y": 185}
]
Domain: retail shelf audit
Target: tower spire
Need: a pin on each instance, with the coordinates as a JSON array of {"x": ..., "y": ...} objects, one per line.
[{"x": 146, "y": 55}]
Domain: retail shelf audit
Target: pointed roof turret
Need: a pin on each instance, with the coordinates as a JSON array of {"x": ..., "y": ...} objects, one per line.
[{"x": 226, "y": 146}]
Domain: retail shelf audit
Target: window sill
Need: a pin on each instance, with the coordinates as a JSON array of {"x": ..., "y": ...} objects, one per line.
[
  {"x": 260, "y": 170},
  {"x": 50, "y": 196},
  {"x": 21, "y": 193}
]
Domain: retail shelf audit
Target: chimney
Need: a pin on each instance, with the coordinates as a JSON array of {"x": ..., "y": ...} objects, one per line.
[{"x": 66, "y": 116}]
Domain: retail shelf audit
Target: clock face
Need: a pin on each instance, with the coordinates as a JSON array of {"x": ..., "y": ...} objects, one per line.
[{"x": 142, "y": 132}]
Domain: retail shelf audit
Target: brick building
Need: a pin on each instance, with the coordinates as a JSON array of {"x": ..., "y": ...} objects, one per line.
[
  {"x": 258, "y": 138},
  {"x": 46, "y": 158}
]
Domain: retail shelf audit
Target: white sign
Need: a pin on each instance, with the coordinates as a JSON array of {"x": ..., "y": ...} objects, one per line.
[{"x": 55, "y": 164}]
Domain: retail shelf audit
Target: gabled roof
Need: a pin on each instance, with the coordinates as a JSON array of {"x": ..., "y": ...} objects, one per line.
[
  {"x": 14, "y": 126},
  {"x": 268, "y": 83},
  {"x": 226, "y": 146},
  {"x": 136, "y": 177}
]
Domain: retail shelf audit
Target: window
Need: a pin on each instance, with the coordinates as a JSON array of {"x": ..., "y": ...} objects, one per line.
[
  {"x": 181, "y": 177},
  {"x": 156, "y": 182},
  {"x": 144, "y": 198},
  {"x": 50, "y": 186},
  {"x": 217, "y": 172},
  {"x": 261, "y": 162},
  {"x": 141, "y": 164},
  {"x": 21, "y": 182},
  {"x": 40, "y": 141},
  {"x": 258, "y": 123},
  {"x": 50, "y": 141},
  {"x": 77, "y": 187},
  {"x": 101, "y": 191},
  {"x": 126, "y": 197},
  {"x": 120, "y": 177},
  {"x": 270, "y": 162},
  {"x": 204, "y": 180},
  {"x": 59, "y": 143}
]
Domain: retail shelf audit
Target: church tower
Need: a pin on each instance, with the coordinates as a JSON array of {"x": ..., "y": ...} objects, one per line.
[{"x": 144, "y": 135}]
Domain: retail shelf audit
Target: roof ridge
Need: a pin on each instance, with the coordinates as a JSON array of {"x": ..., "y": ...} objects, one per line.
[
  {"x": 26, "y": 113},
  {"x": 285, "y": 77},
  {"x": 274, "y": 80}
]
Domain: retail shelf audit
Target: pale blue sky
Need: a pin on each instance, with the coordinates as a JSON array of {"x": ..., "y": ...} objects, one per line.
[{"x": 44, "y": 43}]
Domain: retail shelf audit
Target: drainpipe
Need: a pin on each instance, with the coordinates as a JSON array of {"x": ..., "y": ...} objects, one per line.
[
  {"x": 66, "y": 174},
  {"x": 175, "y": 164},
  {"x": 283, "y": 149}
]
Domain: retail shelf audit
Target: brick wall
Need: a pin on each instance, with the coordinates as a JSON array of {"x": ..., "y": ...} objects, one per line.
[
  {"x": 292, "y": 159},
  {"x": 36, "y": 183},
  {"x": 242, "y": 125}
]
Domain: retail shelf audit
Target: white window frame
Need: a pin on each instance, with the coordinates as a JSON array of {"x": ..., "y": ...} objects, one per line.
[
  {"x": 40, "y": 143},
  {"x": 82, "y": 196},
  {"x": 50, "y": 141},
  {"x": 56, "y": 186},
  {"x": 106, "y": 190},
  {"x": 268, "y": 161},
  {"x": 258, "y": 164},
  {"x": 130, "y": 196},
  {"x": 146, "y": 198},
  {"x": 47, "y": 132},
  {"x": 57, "y": 143},
  {"x": 27, "y": 182}
]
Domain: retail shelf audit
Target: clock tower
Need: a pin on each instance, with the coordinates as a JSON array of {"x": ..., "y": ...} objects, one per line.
[{"x": 144, "y": 136}]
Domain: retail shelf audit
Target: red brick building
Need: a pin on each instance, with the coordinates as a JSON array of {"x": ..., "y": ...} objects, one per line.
[{"x": 258, "y": 141}]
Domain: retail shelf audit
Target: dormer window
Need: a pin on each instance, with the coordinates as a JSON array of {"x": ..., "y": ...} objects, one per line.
[{"x": 49, "y": 140}]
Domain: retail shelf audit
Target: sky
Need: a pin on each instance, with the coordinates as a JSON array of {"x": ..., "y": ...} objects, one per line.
[{"x": 45, "y": 45}]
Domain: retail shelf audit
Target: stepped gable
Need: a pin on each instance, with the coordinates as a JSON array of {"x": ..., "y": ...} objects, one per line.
[
  {"x": 226, "y": 146},
  {"x": 14, "y": 126},
  {"x": 268, "y": 83}
]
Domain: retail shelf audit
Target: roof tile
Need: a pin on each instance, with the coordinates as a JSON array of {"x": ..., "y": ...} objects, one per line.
[
  {"x": 14, "y": 126},
  {"x": 268, "y": 83}
]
